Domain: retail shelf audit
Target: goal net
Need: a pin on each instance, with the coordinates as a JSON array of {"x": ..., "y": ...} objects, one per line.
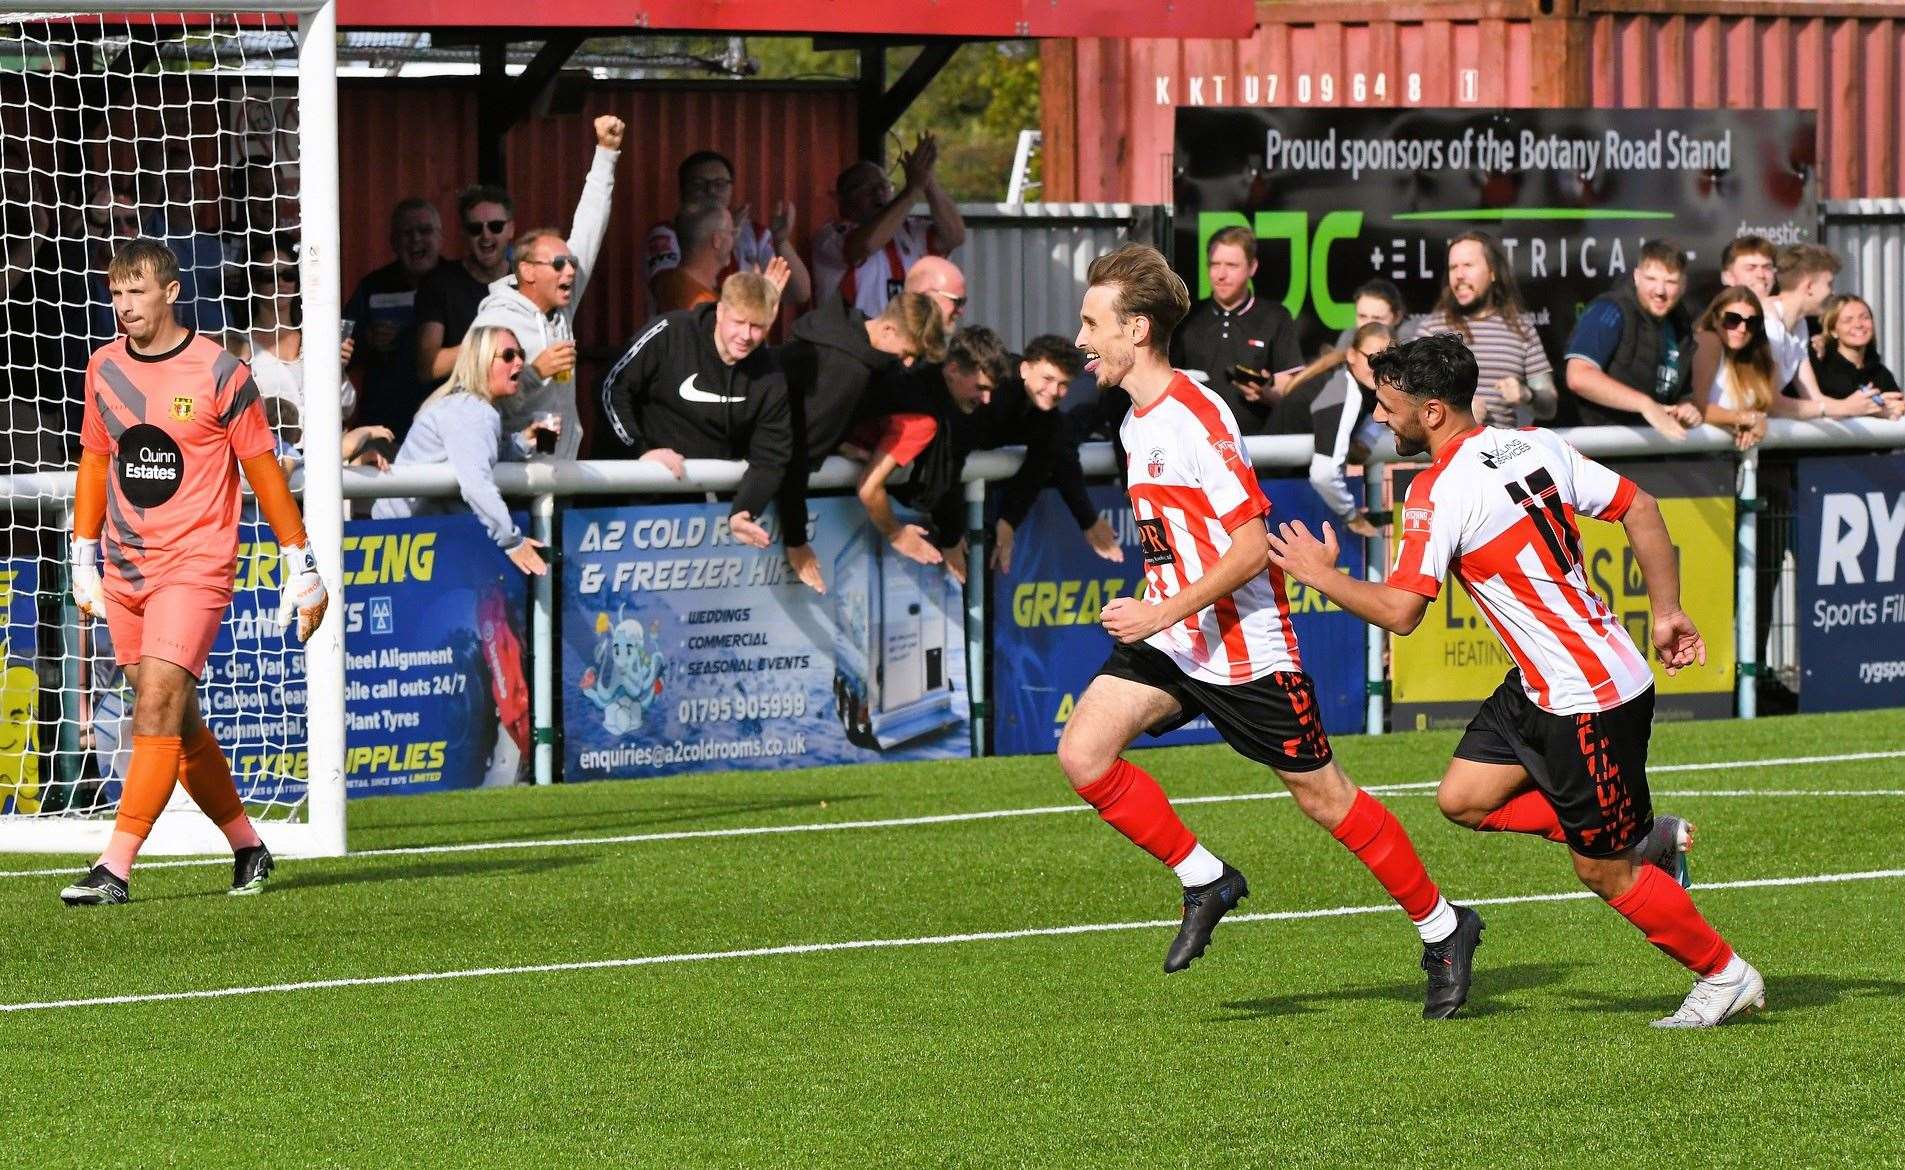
[{"x": 216, "y": 133}]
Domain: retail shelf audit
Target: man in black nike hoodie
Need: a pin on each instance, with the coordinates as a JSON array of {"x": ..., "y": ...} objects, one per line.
[
  {"x": 696, "y": 384},
  {"x": 835, "y": 355}
]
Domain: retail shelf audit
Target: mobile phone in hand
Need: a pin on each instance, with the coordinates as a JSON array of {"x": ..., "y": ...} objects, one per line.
[{"x": 1243, "y": 373}]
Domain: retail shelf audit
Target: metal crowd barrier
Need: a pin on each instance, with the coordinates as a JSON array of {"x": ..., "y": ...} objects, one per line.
[{"x": 542, "y": 483}]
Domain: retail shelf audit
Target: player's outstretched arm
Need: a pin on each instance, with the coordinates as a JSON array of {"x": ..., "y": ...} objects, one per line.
[
  {"x": 304, "y": 591},
  {"x": 1676, "y": 639},
  {"x": 1313, "y": 562},
  {"x": 1130, "y": 620}
]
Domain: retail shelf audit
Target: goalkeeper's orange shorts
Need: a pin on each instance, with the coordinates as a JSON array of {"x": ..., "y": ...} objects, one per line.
[{"x": 175, "y": 622}]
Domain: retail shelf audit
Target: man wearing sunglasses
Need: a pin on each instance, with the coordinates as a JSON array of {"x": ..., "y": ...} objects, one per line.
[
  {"x": 538, "y": 302},
  {"x": 706, "y": 179},
  {"x": 940, "y": 279},
  {"x": 449, "y": 296}
]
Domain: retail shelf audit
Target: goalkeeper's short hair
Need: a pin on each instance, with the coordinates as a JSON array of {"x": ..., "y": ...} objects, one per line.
[{"x": 143, "y": 255}]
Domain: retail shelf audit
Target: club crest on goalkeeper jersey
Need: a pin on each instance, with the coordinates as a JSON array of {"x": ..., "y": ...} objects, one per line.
[{"x": 173, "y": 427}]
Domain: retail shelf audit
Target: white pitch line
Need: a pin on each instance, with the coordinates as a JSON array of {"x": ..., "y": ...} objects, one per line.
[
  {"x": 1418, "y": 788},
  {"x": 868, "y": 944}
]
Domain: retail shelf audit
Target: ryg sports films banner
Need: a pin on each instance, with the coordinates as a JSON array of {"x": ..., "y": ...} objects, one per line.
[
  {"x": 1340, "y": 196},
  {"x": 1440, "y": 673},
  {"x": 683, "y": 650},
  {"x": 1852, "y": 582},
  {"x": 1047, "y": 643},
  {"x": 436, "y": 695}
]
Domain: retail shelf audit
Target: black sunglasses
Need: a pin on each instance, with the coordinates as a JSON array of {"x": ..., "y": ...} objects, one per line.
[
  {"x": 1752, "y": 321},
  {"x": 559, "y": 262},
  {"x": 957, "y": 302},
  {"x": 508, "y": 355},
  {"x": 476, "y": 227}
]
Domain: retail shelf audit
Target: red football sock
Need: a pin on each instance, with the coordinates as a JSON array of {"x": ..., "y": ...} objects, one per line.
[
  {"x": 1528, "y": 813},
  {"x": 1378, "y": 840},
  {"x": 1131, "y": 802},
  {"x": 1667, "y": 916},
  {"x": 148, "y": 784}
]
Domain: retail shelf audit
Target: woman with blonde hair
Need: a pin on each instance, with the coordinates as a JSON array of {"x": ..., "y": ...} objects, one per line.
[
  {"x": 1845, "y": 360},
  {"x": 460, "y": 425}
]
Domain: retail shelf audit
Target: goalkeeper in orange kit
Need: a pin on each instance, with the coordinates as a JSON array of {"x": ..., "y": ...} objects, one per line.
[{"x": 169, "y": 418}]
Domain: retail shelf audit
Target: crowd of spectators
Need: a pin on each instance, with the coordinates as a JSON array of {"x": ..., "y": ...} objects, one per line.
[{"x": 755, "y": 352}]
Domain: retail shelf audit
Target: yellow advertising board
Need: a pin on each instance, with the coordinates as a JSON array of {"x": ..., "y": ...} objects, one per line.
[{"x": 1453, "y": 661}]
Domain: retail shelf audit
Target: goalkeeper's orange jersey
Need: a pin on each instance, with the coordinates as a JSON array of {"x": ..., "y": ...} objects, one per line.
[{"x": 173, "y": 426}]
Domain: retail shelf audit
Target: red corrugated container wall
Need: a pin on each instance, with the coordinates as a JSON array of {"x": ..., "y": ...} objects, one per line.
[
  {"x": 410, "y": 138},
  {"x": 1108, "y": 104}
]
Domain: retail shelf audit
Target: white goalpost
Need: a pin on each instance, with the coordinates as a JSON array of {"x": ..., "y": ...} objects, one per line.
[{"x": 214, "y": 128}]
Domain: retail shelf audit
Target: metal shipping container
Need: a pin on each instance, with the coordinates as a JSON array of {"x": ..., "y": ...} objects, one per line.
[{"x": 1108, "y": 104}]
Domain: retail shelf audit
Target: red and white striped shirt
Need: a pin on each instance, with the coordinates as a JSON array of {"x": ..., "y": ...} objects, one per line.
[
  {"x": 1191, "y": 483},
  {"x": 1497, "y": 507}
]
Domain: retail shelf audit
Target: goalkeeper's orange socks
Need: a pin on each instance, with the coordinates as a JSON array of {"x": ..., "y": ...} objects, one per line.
[
  {"x": 1529, "y": 812},
  {"x": 147, "y": 786},
  {"x": 208, "y": 778}
]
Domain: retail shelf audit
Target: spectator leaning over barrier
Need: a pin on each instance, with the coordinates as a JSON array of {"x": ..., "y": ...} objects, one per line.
[
  {"x": 1480, "y": 304},
  {"x": 538, "y": 303},
  {"x": 1025, "y": 411},
  {"x": 706, "y": 179},
  {"x": 449, "y": 296},
  {"x": 1805, "y": 273},
  {"x": 940, "y": 279},
  {"x": 1629, "y": 357},
  {"x": 863, "y": 256},
  {"x": 834, "y": 356},
  {"x": 1733, "y": 365},
  {"x": 460, "y": 425},
  {"x": 1848, "y": 364},
  {"x": 1748, "y": 261},
  {"x": 1244, "y": 347},
  {"x": 942, "y": 402},
  {"x": 697, "y": 384},
  {"x": 382, "y": 310}
]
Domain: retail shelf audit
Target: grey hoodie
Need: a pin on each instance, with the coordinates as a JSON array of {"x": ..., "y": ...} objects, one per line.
[{"x": 510, "y": 309}]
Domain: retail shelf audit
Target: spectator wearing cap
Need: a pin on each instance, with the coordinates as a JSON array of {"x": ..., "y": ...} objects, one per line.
[
  {"x": 863, "y": 256},
  {"x": 382, "y": 310},
  {"x": 1244, "y": 347},
  {"x": 1480, "y": 304},
  {"x": 706, "y": 179},
  {"x": 538, "y": 302},
  {"x": 1628, "y": 360}
]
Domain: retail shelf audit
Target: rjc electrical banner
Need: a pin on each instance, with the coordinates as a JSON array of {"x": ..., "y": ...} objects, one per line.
[{"x": 1340, "y": 196}]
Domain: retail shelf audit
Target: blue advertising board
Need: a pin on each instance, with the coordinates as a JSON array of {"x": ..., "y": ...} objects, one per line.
[
  {"x": 1852, "y": 582},
  {"x": 1047, "y": 643},
  {"x": 683, "y": 650},
  {"x": 436, "y": 688},
  {"x": 19, "y": 687}
]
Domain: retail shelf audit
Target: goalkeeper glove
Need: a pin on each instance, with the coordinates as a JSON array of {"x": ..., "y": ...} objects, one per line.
[
  {"x": 87, "y": 592},
  {"x": 304, "y": 593}
]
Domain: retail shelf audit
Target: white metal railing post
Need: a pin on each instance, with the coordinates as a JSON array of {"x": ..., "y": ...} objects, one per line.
[
  {"x": 1747, "y": 505},
  {"x": 1375, "y": 638},
  {"x": 542, "y": 640},
  {"x": 978, "y": 693}
]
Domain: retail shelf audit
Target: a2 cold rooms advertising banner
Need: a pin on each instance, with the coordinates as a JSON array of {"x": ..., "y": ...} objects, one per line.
[
  {"x": 683, "y": 650},
  {"x": 1851, "y": 595},
  {"x": 1340, "y": 196},
  {"x": 1046, "y": 641}
]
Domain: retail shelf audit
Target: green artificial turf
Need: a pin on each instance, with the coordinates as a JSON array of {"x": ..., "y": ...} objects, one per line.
[{"x": 1294, "y": 1042}]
